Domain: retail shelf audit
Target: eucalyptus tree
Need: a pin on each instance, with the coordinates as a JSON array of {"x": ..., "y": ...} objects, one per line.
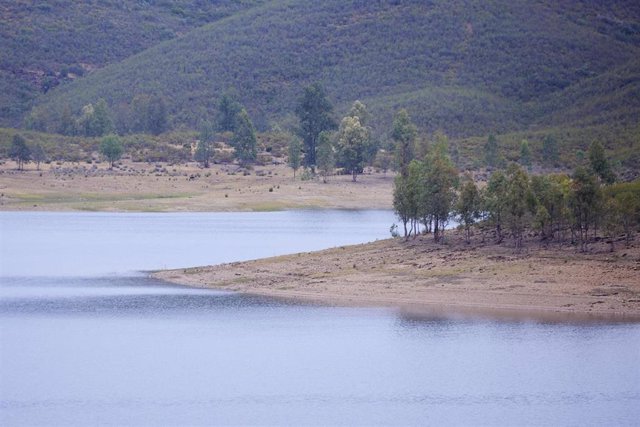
[
  {"x": 19, "y": 151},
  {"x": 468, "y": 205},
  {"x": 244, "y": 139},
  {"x": 315, "y": 112},
  {"x": 204, "y": 148},
  {"x": 352, "y": 138},
  {"x": 326, "y": 155},
  {"x": 496, "y": 201},
  {"x": 404, "y": 134},
  {"x": 294, "y": 154},
  {"x": 111, "y": 148}
]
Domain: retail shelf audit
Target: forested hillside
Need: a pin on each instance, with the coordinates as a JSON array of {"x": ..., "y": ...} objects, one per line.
[
  {"x": 45, "y": 44},
  {"x": 465, "y": 67}
]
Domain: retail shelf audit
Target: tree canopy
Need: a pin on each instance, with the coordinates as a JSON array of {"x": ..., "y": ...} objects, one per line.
[
  {"x": 111, "y": 148},
  {"x": 315, "y": 112}
]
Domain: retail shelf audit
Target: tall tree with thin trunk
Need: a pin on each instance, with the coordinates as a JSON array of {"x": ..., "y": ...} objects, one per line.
[
  {"x": 204, "y": 149},
  {"x": 295, "y": 152},
  {"x": 38, "y": 155},
  {"x": 404, "y": 134},
  {"x": 326, "y": 155},
  {"x": 599, "y": 163},
  {"x": 19, "y": 151},
  {"x": 468, "y": 206},
  {"x": 315, "y": 113},
  {"x": 352, "y": 142},
  {"x": 244, "y": 139},
  {"x": 584, "y": 203},
  {"x": 491, "y": 154},
  {"x": 496, "y": 196}
]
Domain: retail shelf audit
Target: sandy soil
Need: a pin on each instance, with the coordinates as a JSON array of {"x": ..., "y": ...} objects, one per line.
[
  {"x": 424, "y": 278},
  {"x": 160, "y": 187}
]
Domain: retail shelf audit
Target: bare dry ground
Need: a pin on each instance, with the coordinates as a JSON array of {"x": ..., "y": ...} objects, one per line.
[
  {"x": 161, "y": 187},
  {"x": 426, "y": 278}
]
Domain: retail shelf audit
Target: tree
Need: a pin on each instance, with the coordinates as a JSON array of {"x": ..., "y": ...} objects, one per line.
[
  {"x": 491, "y": 154},
  {"x": 359, "y": 110},
  {"x": 403, "y": 201},
  {"x": 295, "y": 152},
  {"x": 352, "y": 142},
  {"x": 157, "y": 116},
  {"x": 111, "y": 148},
  {"x": 315, "y": 114},
  {"x": 244, "y": 139},
  {"x": 228, "y": 110},
  {"x": 551, "y": 193},
  {"x": 67, "y": 122},
  {"x": 496, "y": 201},
  {"x": 96, "y": 119},
  {"x": 438, "y": 191},
  {"x": 204, "y": 149},
  {"x": 404, "y": 134},
  {"x": 584, "y": 201},
  {"x": 519, "y": 201},
  {"x": 599, "y": 163},
  {"x": 19, "y": 151},
  {"x": 326, "y": 156},
  {"x": 549, "y": 150},
  {"x": 38, "y": 155},
  {"x": 468, "y": 206},
  {"x": 525, "y": 154},
  {"x": 139, "y": 113}
]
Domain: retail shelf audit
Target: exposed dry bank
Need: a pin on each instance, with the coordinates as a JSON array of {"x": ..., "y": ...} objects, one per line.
[
  {"x": 423, "y": 276},
  {"x": 170, "y": 188}
]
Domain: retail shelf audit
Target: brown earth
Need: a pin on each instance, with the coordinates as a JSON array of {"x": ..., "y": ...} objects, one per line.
[
  {"x": 424, "y": 278},
  {"x": 161, "y": 187}
]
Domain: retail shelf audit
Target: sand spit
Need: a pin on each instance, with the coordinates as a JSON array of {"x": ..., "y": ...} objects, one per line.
[{"x": 425, "y": 279}]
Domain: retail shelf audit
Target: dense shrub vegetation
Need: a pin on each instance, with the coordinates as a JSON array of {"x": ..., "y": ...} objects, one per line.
[{"x": 46, "y": 44}]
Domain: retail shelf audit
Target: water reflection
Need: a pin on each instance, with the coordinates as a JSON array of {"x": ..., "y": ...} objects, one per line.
[{"x": 128, "y": 350}]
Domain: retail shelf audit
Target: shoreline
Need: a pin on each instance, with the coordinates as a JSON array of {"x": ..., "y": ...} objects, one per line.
[
  {"x": 425, "y": 280},
  {"x": 134, "y": 187}
]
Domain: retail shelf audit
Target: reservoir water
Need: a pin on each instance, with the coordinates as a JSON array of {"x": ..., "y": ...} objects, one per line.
[{"x": 86, "y": 338}]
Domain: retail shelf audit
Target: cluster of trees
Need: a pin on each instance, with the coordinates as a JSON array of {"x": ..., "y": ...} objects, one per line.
[
  {"x": 22, "y": 153},
  {"x": 234, "y": 122},
  {"x": 428, "y": 192},
  {"x": 323, "y": 144},
  {"x": 144, "y": 114},
  {"x": 549, "y": 154}
]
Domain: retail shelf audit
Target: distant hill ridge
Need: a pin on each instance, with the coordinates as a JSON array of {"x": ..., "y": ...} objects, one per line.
[{"x": 465, "y": 67}]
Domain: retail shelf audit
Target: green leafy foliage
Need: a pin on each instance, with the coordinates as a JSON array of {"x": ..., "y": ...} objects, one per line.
[
  {"x": 111, "y": 148},
  {"x": 326, "y": 155},
  {"x": 315, "y": 113},
  {"x": 295, "y": 155},
  {"x": 244, "y": 139},
  {"x": 19, "y": 151}
]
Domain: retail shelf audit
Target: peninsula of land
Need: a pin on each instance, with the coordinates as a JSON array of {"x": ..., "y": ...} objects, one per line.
[{"x": 420, "y": 276}]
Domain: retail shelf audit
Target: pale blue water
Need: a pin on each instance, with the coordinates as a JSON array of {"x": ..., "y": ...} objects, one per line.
[{"x": 84, "y": 341}]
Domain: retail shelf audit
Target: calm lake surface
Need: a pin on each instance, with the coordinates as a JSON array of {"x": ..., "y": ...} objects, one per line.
[{"x": 86, "y": 338}]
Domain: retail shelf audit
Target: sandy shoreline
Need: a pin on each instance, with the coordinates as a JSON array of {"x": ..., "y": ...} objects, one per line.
[{"x": 424, "y": 279}]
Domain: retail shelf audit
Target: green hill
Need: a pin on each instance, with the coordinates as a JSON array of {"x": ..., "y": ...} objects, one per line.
[
  {"x": 466, "y": 67},
  {"x": 48, "y": 43}
]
